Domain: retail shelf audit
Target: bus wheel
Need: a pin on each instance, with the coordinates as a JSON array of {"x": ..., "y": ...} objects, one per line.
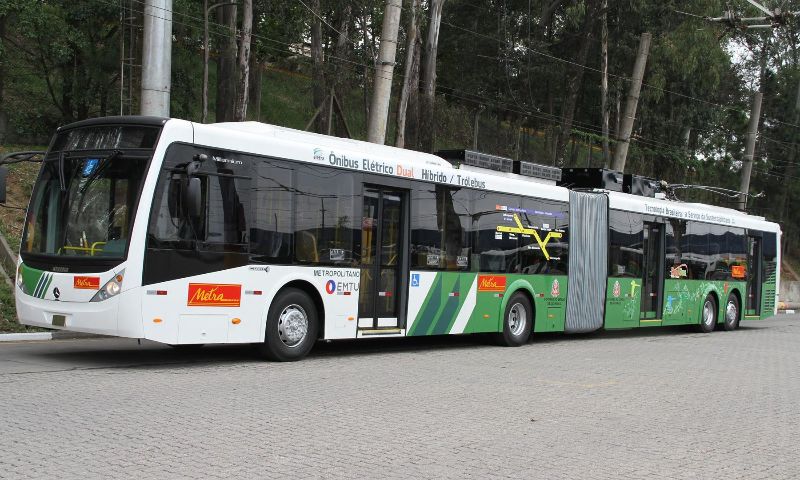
[
  {"x": 517, "y": 322},
  {"x": 291, "y": 327},
  {"x": 732, "y": 313},
  {"x": 708, "y": 317}
]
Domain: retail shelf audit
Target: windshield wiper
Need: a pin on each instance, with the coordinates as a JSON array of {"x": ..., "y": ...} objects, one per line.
[
  {"x": 61, "y": 180},
  {"x": 104, "y": 163}
]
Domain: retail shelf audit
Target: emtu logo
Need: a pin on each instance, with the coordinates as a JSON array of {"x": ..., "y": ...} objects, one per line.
[
  {"x": 318, "y": 155},
  {"x": 330, "y": 287}
]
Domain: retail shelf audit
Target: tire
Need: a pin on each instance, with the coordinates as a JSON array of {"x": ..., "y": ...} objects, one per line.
[
  {"x": 292, "y": 326},
  {"x": 708, "y": 315},
  {"x": 517, "y": 322},
  {"x": 732, "y": 313}
]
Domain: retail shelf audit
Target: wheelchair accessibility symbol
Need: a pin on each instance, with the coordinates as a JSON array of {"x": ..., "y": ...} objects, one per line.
[{"x": 415, "y": 279}]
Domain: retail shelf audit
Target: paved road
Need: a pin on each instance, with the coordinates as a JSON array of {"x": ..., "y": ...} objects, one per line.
[{"x": 646, "y": 404}]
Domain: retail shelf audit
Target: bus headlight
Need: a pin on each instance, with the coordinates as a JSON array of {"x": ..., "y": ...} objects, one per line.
[{"x": 110, "y": 289}]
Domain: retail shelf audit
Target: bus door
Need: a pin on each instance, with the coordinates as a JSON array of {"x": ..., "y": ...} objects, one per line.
[
  {"x": 382, "y": 240},
  {"x": 652, "y": 273},
  {"x": 754, "y": 280}
]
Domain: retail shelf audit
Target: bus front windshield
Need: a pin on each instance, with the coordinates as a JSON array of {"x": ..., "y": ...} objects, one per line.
[{"x": 83, "y": 205}]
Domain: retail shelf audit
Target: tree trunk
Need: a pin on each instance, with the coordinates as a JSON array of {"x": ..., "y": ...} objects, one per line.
[
  {"x": 339, "y": 76},
  {"x": 226, "y": 65},
  {"x": 255, "y": 88},
  {"x": 624, "y": 135},
  {"x": 3, "y": 115},
  {"x": 319, "y": 92},
  {"x": 604, "y": 109},
  {"x": 574, "y": 85},
  {"x": 411, "y": 70},
  {"x": 427, "y": 130},
  {"x": 242, "y": 94}
]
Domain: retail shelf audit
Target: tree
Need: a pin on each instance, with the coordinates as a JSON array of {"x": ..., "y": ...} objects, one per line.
[
  {"x": 411, "y": 76},
  {"x": 384, "y": 71},
  {"x": 240, "y": 108},
  {"x": 427, "y": 128},
  {"x": 226, "y": 65}
]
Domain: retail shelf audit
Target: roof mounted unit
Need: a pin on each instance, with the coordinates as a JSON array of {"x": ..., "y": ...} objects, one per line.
[
  {"x": 477, "y": 159},
  {"x": 591, "y": 178},
  {"x": 638, "y": 185},
  {"x": 500, "y": 164},
  {"x": 608, "y": 180}
]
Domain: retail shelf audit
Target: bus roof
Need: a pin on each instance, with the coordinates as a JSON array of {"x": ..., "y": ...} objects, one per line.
[{"x": 281, "y": 142}]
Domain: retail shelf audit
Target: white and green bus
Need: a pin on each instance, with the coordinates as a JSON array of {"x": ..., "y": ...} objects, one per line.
[{"x": 186, "y": 234}]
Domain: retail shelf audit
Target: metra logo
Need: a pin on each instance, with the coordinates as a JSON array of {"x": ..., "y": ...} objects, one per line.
[
  {"x": 86, "y": 283},
  {"x": 491, "y": 283},
  {"x": 330, "y": 287},
  {"x": 214, "y": 295},
  {"x": 318, "y": 155}
]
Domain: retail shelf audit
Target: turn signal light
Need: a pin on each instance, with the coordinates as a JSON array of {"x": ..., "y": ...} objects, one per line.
[
  {"x": 157, "y": 320},
  {"x": 236, "y": 321}
]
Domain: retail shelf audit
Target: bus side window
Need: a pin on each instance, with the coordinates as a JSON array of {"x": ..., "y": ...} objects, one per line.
[
  {"x": 271, "y": 228},
  {"x": 324, "y": 212}
]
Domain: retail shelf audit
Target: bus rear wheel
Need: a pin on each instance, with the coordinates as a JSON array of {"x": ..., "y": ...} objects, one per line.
[
  {"x": 732, "y": 313},
  {"x": 708, "y": 316},
  {"x": 292, "y": 326},
  {"x": 517, "y": 322}
]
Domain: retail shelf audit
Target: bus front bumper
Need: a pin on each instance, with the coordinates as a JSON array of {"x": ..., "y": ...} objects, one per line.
[{"x": 102, "y": 318}]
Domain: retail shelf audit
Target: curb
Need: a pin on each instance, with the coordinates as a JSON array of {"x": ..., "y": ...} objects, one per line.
[{"x": 39, "y": 336}]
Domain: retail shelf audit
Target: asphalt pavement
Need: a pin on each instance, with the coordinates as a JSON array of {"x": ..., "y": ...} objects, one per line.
[{"x": 654, "y": 403}]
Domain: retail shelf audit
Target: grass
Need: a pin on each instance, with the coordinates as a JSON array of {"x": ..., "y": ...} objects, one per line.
[{"x": 21, "y": 177}]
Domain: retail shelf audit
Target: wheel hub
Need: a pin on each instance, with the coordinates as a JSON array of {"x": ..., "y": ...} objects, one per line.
[
  {"x": 293, "y": 325},
  {"x": 731, "y": 313},
  {"x": 517, "y": 318},
  {"x": 708, "y": 313}
]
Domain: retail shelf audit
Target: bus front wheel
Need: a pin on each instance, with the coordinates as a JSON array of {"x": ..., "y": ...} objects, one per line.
[
  {"x": 292, "y": 326},
  {"x": 708, "y": 316},
  {"x": 517, "y": 322}
]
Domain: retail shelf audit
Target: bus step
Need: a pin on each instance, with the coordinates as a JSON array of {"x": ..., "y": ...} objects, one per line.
[{"x": 381, "y": 331}]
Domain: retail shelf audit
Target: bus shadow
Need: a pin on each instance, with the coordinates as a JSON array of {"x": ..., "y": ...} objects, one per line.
[{"x": 128, "y": 354}]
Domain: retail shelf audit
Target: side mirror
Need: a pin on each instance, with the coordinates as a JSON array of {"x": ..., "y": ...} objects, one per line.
[
  {"x": 3, "y": 177},
  {"x": 194, "y": 197}
]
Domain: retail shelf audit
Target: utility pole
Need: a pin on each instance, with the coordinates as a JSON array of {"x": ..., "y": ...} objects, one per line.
[
  {"x": 624, "y": 135},
  {"x": 376, "y": 130},
  {"x": 750, "y": 150},
  {"x": 157, "y": 58}
]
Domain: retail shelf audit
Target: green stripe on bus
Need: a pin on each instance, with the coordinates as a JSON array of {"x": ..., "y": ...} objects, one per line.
[{"x": 429, "y": 308}]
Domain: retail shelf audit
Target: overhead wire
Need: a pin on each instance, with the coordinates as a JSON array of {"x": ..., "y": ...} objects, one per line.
[{"x": 466, "y": 96}]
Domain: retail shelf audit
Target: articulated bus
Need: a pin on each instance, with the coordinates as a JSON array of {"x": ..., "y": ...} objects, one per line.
[{"x": 187, "y": 234}]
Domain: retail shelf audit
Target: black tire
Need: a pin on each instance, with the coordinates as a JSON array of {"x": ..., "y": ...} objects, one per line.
[
  {"x": 294, "y": 309},
  {"x": 708, "y": 315},
  {"x": 732, "y": 313},
  {"x": 517, "y": 322}
]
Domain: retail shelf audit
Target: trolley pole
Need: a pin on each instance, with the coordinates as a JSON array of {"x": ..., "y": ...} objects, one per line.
[{"x": 157, "y": 57}]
